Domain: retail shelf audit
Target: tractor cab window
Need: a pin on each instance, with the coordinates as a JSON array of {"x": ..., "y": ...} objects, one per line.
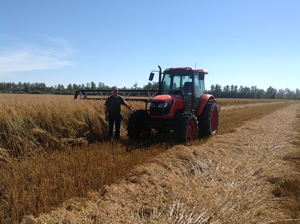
[
  {"x": 187, "y": 85},
  {"x": 177, "y": 83},
  {"x": 198, "y": 86},
  {"x": 166, "y": 85}
]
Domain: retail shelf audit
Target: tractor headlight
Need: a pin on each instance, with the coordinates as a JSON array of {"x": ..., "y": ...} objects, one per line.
[
  {"x": 162, "y": 105},
  {"x": 160, "y": 108}
]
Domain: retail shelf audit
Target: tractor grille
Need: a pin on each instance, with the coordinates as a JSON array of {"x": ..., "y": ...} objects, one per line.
[{"x": 156, "y": 108}]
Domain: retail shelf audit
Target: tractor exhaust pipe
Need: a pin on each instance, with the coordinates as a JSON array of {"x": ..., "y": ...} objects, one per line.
[{"x": 159, "y": 81}]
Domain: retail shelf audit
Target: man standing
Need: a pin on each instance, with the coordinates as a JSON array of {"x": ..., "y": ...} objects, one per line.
[{"x": 113, "y": 112}]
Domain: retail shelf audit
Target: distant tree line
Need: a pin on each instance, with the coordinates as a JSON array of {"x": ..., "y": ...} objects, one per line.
[
  {"x": 232, "y": 91},
  {"x": 41, "y": 88}
]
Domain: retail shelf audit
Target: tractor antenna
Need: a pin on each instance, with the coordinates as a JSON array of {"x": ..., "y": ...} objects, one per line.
[{"x": 195, "y": 64}]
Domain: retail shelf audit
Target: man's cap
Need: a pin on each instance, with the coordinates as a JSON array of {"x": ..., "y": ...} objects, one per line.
[{"x": 115, "y": 88}]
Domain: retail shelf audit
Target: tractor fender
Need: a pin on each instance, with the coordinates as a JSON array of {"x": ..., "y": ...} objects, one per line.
[{"x": 203, "y": 100}]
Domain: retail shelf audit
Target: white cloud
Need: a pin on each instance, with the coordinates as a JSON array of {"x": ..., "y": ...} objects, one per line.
[{"x": 29, "y": 58}]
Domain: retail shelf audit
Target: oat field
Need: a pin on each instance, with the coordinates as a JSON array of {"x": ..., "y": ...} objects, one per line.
[{"x": 58, "y": 166}]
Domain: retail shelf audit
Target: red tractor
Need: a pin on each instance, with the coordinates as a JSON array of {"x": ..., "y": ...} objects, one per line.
[{"x": 180, "y": 106}]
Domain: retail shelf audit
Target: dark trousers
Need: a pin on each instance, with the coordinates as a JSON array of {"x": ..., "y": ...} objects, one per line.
[{"x": 117, "y": 121}]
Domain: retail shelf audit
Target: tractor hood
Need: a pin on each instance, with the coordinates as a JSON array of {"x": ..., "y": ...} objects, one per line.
[
  {"x": 162, "y": 98},
  {"x": 168, "y": 98},
  {"x": 165, "y": 106},
  {"x": 165, "y": 98}
]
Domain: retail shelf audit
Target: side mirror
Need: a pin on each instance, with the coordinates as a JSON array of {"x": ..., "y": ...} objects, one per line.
[{"x": 151, "y": 76}]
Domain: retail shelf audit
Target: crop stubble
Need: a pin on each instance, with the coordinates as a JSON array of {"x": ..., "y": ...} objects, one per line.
[{"x": 247, "y": 176}]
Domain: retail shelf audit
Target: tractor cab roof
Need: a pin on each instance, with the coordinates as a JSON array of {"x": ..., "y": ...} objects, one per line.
[{"x": 186, "y": 69}]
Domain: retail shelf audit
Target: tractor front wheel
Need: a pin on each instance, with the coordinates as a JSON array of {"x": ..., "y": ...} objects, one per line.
[
  {"x": 186, "y": 128},
  {"x": 135, "y": 125}
]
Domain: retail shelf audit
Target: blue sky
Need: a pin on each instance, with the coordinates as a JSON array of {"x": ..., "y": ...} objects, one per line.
[{"x": 239, "y": 42}]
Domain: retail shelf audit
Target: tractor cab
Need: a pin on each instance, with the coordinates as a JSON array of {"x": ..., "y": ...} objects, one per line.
[{"x": 187, "y": 82}]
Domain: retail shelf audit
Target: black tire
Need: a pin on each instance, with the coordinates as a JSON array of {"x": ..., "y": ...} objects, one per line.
[
  {"x": 209, "y": 119},
  {"x": 136, "y": 125},
  {"x": 186, "y": 128}
]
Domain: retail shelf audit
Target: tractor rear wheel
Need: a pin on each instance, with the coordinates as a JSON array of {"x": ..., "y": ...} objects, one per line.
[
  {"x": 135, "y": 125},
  {"x": 209, "y": 119},
  {"x": 186, "y": 128}
]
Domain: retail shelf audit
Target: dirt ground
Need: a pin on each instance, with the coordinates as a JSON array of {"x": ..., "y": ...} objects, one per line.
[{"x": 250, "y": 175}]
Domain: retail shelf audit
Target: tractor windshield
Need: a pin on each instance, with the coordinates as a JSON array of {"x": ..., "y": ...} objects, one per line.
[{"x": 178, "y": 83}]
